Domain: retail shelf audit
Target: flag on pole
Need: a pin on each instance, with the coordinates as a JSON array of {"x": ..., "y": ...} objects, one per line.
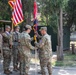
[
  {"x": 35, "y": 10},
  {"x": 17, "y": 13},
  {"x": 11, "y": 3},
  {"x": 35, "y": 29},
  {"x": 35, "y": 15},
  {"x": 35, "y": 18}
]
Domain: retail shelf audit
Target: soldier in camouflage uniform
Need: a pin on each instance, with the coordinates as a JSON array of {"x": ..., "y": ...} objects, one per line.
[
  {"x": 45, "y": 52},
  {"x": 15, "y": 48},
  {"x": 25, "y": 45},
  {"x": 7, "y": 45},
  {"x": 1, "y": 52}
]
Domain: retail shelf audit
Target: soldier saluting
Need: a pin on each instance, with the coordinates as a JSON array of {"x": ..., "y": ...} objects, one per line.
[{"x": 7, "y": 45}]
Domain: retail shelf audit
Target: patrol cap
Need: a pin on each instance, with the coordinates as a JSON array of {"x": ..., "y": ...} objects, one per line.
[
  {"x": 43, "y": 28},
  {"x": 7, "y": 26},
  {"x": 17, "y": 27},
  {"x": 28, "y": 27}
]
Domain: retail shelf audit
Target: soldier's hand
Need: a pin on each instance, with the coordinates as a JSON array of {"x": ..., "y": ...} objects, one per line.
[
  {"x": 36, "y": 32},
  {"x": 11, "y": 30},
  {"x": 36, "y": 48},
  {"x": 35, "y": 43},
  {"x": 10, "y": 46},
  {"x": 32, "y": 39}
]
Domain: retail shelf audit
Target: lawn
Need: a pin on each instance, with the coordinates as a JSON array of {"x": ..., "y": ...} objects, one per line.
[{"x": 69, "y": 60}]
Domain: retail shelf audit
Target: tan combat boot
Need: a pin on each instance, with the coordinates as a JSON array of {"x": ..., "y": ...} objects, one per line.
[
  {"x": 9, "y": 71},
  {"x": 6, "y": 72},
  {"x": 16, "y": 68},
  {"x": 50, "y": 74}
]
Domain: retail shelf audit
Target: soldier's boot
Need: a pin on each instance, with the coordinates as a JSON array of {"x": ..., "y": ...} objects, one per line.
[
  {"x": 49, "y": 68},
  {"x": 16, "y": 68},
  {"x": 9, "y": 71},
  {"x": 26, "y": 74},
  {"x": 6, "y": 72},
  {"x": 50, "y": 74},
  {"x": 43, "y": 74},
  {"x": 39, "y": 72}
]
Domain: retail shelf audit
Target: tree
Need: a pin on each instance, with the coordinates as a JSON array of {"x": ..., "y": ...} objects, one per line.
[
  {"x": 52, "y": 14},
  {"x": 5, "y": 11},
  {"x": 71, "y": 13},
  {"x": 27, "y": 10}
]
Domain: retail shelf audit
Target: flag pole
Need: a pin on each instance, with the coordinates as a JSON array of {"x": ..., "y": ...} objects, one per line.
[
  {"x": 12, "y": 25},
  {"x": 36, "y": 62},
  {"x": 35, "y": 52}
]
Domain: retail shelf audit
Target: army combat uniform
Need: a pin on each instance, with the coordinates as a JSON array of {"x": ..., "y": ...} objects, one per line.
[
  {"x": 1, "y": 47},
  {"x": 15, "y": 50},
  {"x": 25, "y": 46},
  {"x": 7, "y": 43},
  {"x": 45, "y": 54}
]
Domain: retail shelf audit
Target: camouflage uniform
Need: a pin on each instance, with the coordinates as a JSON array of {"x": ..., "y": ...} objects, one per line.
[
  {"x": 15, "y": 50},
  {"x": 25, "y": 45},
  {"x": 45, "y": 54},
  {"x": 1, "y": 46},
  {"x": 7, "y": 43}
]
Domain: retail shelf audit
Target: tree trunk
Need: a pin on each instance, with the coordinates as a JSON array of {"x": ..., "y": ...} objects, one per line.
[{"x": 60, "y": 37}]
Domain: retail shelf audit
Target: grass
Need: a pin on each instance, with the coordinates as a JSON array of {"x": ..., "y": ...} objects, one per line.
[{"x": 69, "y": 60}]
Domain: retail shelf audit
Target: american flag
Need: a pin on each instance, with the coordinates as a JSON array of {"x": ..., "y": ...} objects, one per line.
[{"x": 17, "y": 13}]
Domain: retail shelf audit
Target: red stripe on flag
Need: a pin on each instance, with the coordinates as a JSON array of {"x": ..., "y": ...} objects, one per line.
[
  {"x": 15, "y": 18},
  {"x": 35, "y": 10},
  {"x": 20, "y": 13},
  {"x": 11, "y": 3},
  {"x": 35, "y": 15}
]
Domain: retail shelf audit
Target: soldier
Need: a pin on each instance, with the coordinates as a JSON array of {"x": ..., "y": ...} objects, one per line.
[
  {"x": 25, "y": 43},
  {"x": 7, "y": 45},
  {"x": 1, "y": 52},
  {"x": 15, "y": 48},
  {"x": 45, "y": 52}
]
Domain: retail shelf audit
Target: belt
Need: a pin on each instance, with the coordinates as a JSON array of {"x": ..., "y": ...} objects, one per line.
[
  {"x": 15, "y": 41},
  {"x": 5, "y": 44}
]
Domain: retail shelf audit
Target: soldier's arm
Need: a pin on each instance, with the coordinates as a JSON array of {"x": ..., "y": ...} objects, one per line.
[
  {"x": 10, "y": 40},
  {"x": 28, "y": 43},
  {"x": 19, "y": 37},
  {"x": 42, "y": 43},
  {"x": 38, "y": 35},
  {"x": 4, "y": 35}
]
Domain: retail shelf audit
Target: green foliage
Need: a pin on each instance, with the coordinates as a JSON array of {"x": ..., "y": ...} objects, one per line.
[
  {"x": 71, "y": 12},
  {"x": 4, "y": 10},
  {"x": 27, "y": 10},
  {"x": 53, "y": 22},
  {"x": 50, "y": 12},
  {"x": 69, "y": 60}
]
